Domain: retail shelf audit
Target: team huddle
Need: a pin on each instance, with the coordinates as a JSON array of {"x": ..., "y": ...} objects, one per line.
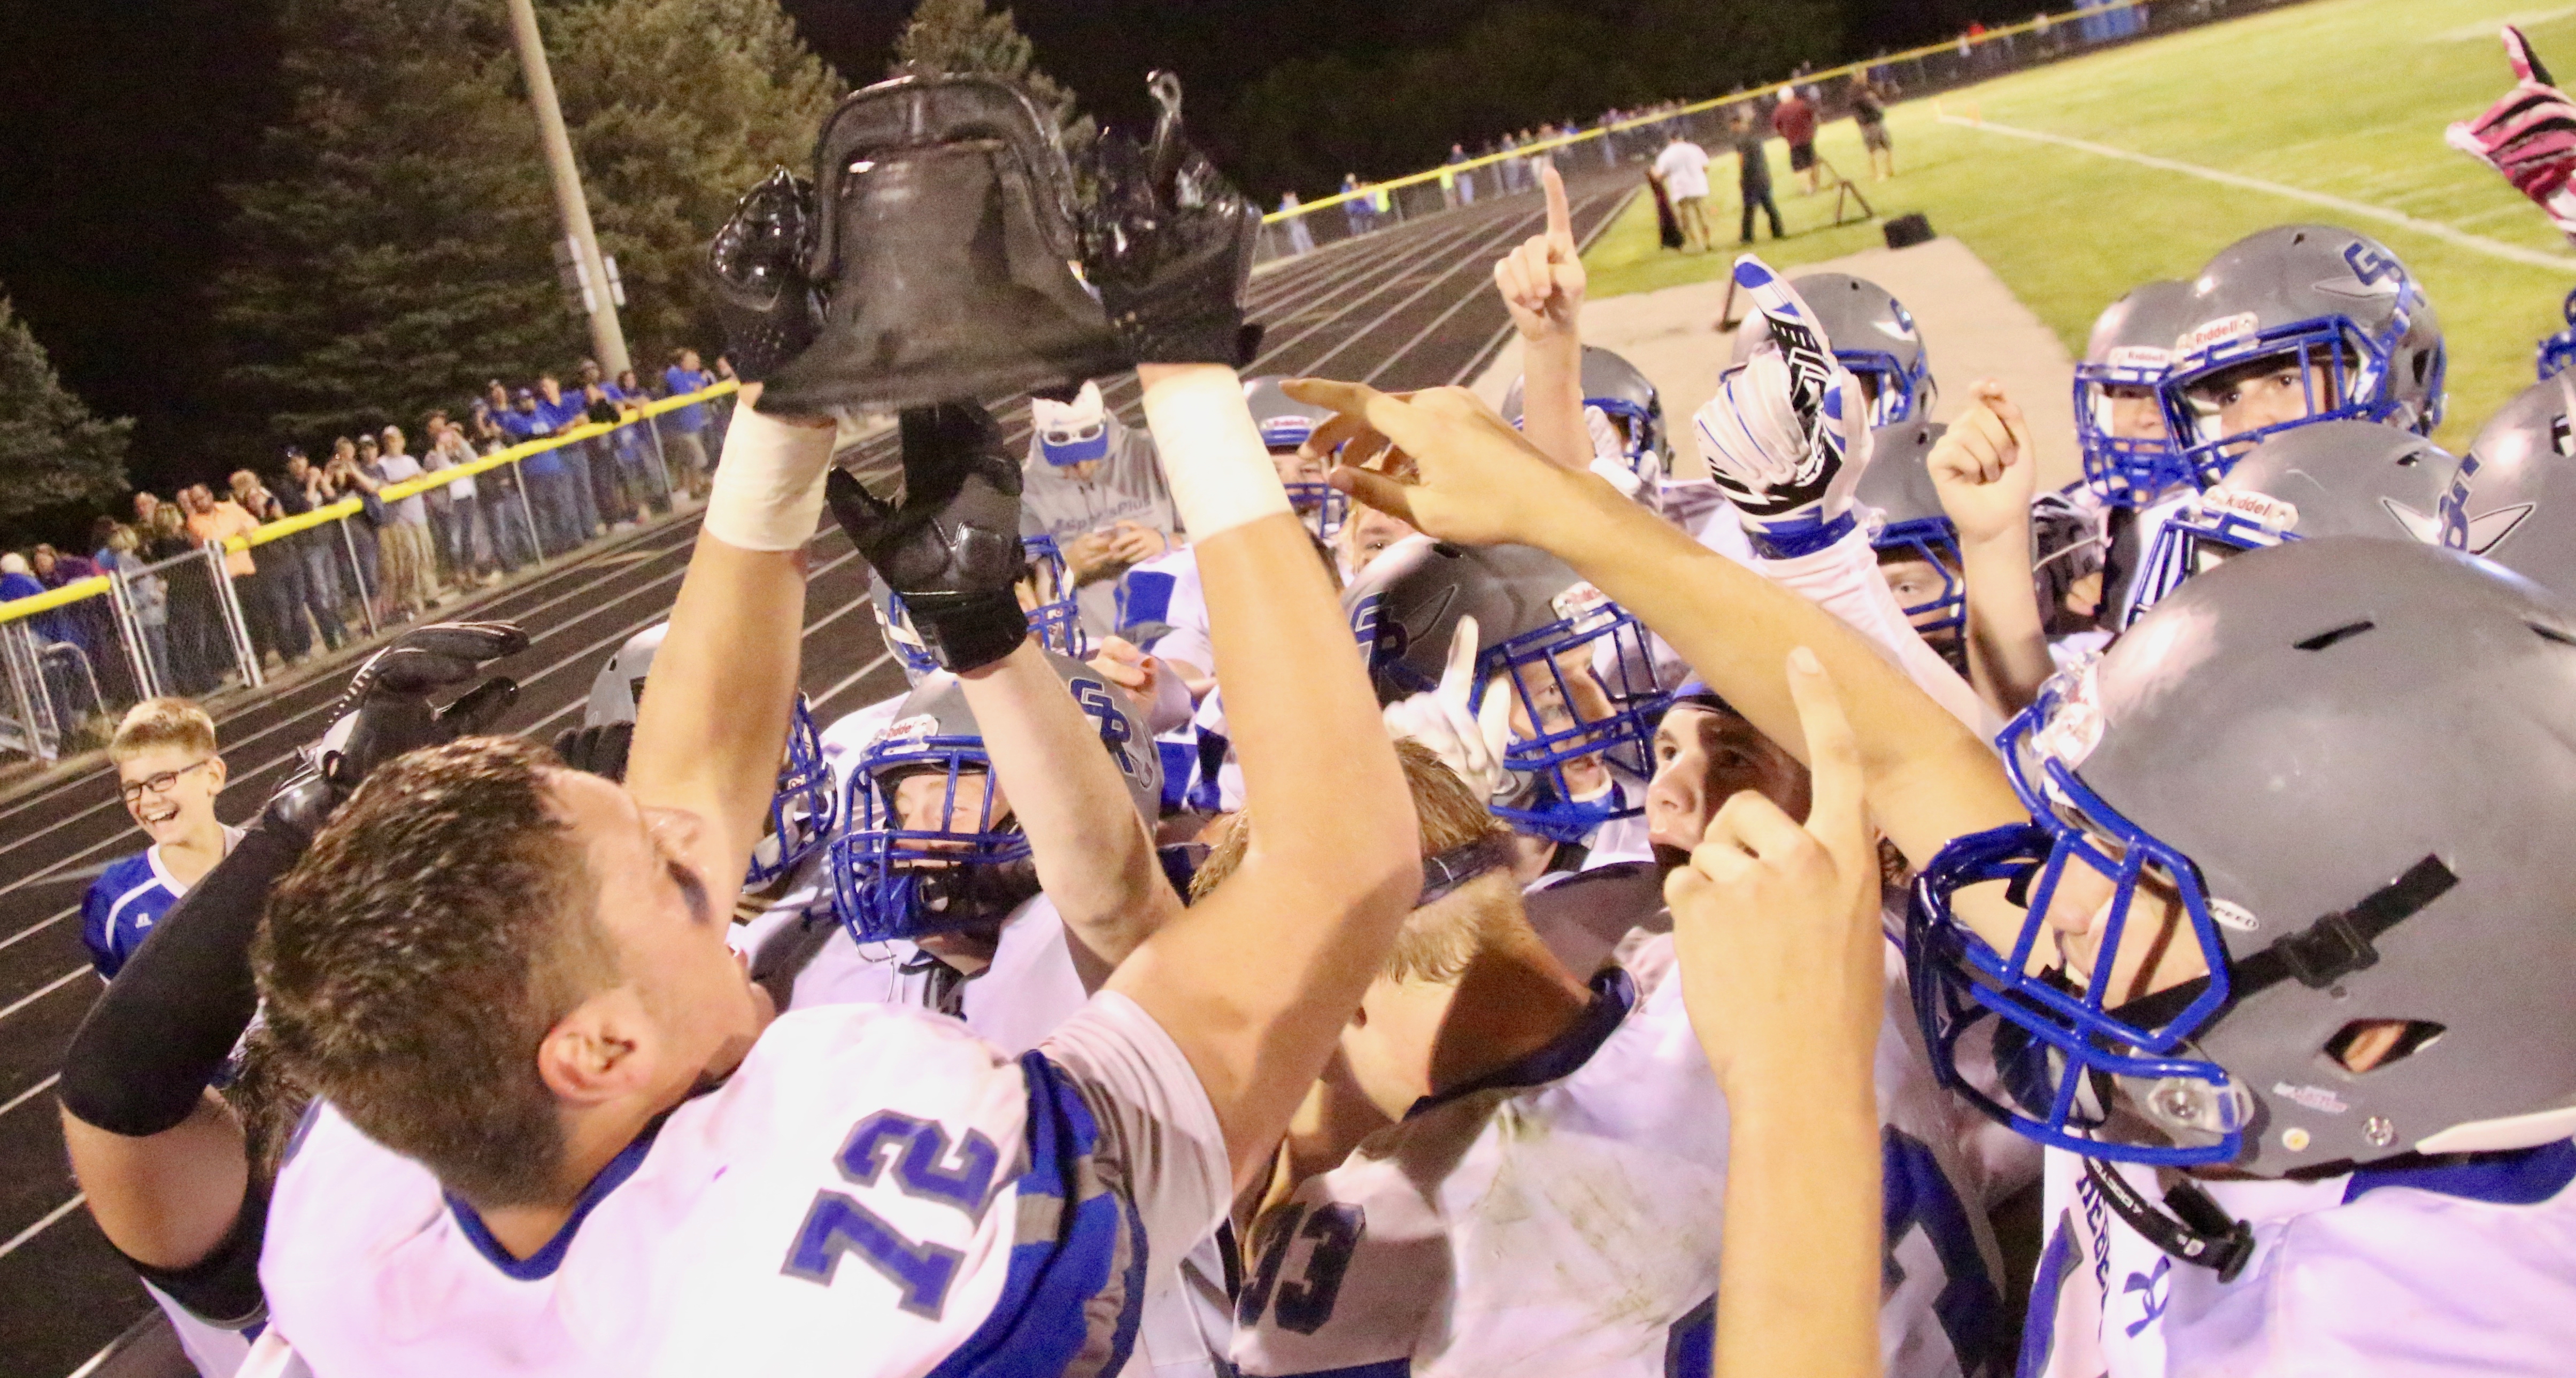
[{"x": 1361, "y": 884}]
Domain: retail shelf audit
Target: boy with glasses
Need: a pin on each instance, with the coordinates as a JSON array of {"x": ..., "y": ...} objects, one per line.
[{"x": 166, "y": 766}]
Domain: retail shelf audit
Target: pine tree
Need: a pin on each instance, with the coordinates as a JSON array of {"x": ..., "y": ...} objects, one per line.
[
  {"x": 395, "y": 249},
  {"x": 964, "y": 36},
  {"x": 676, "y": 107},
  {"x": 52, "y": 451}
]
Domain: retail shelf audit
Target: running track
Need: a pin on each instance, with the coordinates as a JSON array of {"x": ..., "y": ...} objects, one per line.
[{"x": 1409, "y": 307}]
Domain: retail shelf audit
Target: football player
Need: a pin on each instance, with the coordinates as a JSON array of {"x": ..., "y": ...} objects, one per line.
[
  {"x": 1874, "y": 339},
  {"x": 2501, "y": 503}
]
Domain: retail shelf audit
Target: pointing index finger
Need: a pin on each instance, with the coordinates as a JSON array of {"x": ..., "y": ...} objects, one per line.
[
  {"x": 1560, "y": 216},
  {"x": 1836, "y": 813}
]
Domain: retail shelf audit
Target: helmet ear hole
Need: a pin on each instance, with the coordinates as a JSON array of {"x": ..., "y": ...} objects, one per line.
[{"x": 2366, "y": 1045}]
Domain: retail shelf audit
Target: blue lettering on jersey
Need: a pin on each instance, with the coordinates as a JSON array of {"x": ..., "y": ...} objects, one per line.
[
  {"x": 1306, "y": 1302},
  {"x": 2159, "y": 1289},
  {"x": 926, "y": 1169},
  {"x": 1690, "y": 1346},
  {"x": 1918, "y": 1198},
  {"x": 2039, "y": 1323},
  {"x": 837, "y": 1224},
  {"x": 1145, "y": 596}
]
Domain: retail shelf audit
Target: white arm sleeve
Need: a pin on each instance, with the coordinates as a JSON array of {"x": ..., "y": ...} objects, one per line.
[{"x": 1843, "y": 579}]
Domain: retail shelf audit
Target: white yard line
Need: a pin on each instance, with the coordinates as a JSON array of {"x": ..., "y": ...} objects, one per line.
[{"x": 2475, "y": 243}]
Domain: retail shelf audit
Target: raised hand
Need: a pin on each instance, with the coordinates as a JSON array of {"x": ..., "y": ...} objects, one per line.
[
  {"x": 1475, "y": 480},
  {"x": 768, "y": 308},
  {"x": 1787, "y": 435},
  {"x": 1168, "y": 243},
  {"x": 1542, "y": 281},
  {"x": 1775, "y": 923},
  {"x": 2529, "y": 135},
  {"x": 952, "y": 546},
  {"x": 1469, "y": 741},
  {"x": 1983, "y": 468},
  {"x": 386, "y": 711}
]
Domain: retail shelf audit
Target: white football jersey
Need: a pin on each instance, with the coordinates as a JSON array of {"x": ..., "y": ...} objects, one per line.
[
  {"x": 1562, "y": 1218},
  {"x": 1165, "y": 592},
  {"x": 2416, "y": 1272},
  {"x": 874, "y": 1190}
]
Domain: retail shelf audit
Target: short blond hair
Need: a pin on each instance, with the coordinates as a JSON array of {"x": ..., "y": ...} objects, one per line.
[{"x": 156, "y": 723}]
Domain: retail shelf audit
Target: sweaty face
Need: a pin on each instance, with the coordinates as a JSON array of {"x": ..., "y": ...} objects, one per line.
[
  {"x": 668, "y": 924},
  {"x": 1915, "y": 583},
  {"x": 2133, "y": 413},
  {"x": 170, "y": 791},
  {"x": 1704, "y": 758}
]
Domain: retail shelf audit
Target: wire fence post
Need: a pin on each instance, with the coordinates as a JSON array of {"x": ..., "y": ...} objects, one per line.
[
  {"x": 528, "y": 513},
  {"x": 137, "y": 654},
  {"x": 358, "y": 572},
  {"x": 228, "y": 602},
  {"x": 37, "y": 734}
]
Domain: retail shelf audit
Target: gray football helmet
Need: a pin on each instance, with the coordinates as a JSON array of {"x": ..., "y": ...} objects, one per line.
[
  {"x": 1628, "y": 398},
  {"x": 2336, "y": 301},
  {"x": 1284, "y": 423},
  {"x": 2502, "y": 503},
  {"x": 2345, "y": 760},
  {"x": 2131, "y": 347},
  {"x": 800, "y": 811},
  {"x": 1905, "y": 519},
  {"x": 890, "y": 881},
  {"x": 1872, "y": 334},
  {"x": 2335, "y": 478},
  {"x": 1585, "y": 687}
]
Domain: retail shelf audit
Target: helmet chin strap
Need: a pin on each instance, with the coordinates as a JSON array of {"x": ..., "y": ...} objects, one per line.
[{"x": 2198, "y": 1231}]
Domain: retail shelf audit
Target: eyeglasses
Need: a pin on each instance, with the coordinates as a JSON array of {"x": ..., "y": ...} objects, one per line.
[{"x": 162, "y": 783}]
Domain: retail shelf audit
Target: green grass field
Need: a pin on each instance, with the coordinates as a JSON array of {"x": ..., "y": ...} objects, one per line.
[{"x": 2343, "y": 97}]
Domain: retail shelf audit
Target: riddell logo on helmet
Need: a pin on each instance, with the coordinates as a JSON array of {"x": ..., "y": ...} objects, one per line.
[
  {"x": 2261, "y": 508},
  {"x": 2210, "y": 333},
  {"x": 2139, "y": 356},
  {"x": 918, "y": 727}
]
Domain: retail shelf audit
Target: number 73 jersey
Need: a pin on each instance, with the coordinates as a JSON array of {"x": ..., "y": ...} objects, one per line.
[
  {"x": 874, "y": 1191},
  {"x": 1563, "y": 1221}
]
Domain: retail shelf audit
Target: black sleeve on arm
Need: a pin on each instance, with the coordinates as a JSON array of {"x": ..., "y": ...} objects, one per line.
[
  {"x": 221, "y": 1289},
  {"x": 144, "y": 1055}
]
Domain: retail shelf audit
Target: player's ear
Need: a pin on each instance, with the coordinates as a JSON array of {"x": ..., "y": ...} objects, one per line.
[
  {"x": 216, "y": 774},
  {"x": 595, "y": 1053}
]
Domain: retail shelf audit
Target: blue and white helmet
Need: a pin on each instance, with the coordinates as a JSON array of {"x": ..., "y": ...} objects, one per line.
[
  {"x": 892, "y": 881},
  {"x": 1047, "y": 595},
  {"x": 800, "y": 810},
  {"x": 2336, "y": 302},
  {"x": 1285, "y": 423},
  {"x": 2335, "y": 478},
  {"x": 1905, "y": 519},
  {"x": 1628, "y": 398},
  {"x": 2559, "y": 350},
  {"x": 1873, "y": 335},
  {"x": 2125, "y": 361},
  {"x": 1584, "y": 685}
]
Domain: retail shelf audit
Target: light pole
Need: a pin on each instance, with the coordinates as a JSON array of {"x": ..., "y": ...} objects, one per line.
[{"x": 607, "y": 338}]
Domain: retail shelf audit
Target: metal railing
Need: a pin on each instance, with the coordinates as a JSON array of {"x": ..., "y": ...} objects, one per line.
[
  {"x": 210, "y": 621},
  {"x": 1916, "y": 72}
]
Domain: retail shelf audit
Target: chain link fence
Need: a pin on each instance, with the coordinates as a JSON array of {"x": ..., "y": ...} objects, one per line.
[
  {"x": 225, "y": 617},
  {"x": 1964, "y": 61}
]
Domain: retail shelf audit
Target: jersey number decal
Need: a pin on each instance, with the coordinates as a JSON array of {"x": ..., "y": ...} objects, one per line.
[
  {"x": 1305, "y": 1303},
  {"x": 926, "y": 1167}
]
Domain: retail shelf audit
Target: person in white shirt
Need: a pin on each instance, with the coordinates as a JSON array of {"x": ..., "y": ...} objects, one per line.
[{"x": 1683, "y": 166}]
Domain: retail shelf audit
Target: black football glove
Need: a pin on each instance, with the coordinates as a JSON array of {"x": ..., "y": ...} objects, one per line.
[
  {"x": 952, "y": 548},
  {"x": 599, "y": 750},
  {"x": 770, "y": 311},
  {"x": 386, "y": 711},
  {"x": 1169, "y": 242}
]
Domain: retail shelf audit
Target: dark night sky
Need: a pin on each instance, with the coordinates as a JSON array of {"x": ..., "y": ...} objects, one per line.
[{"x": 119, "y": 119}]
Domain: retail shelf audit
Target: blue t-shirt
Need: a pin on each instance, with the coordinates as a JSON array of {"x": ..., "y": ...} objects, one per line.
[
  {"x": 125, "y": 903},
  {"x": 677, "y": 381},
  {"x": 524, "y": 426}
]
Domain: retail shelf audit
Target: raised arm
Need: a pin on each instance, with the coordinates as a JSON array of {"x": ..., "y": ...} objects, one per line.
[
  {"x": 709, "y": 736},
  {"x": 952, "y": 549},
  {"x": 1930, "y": 778},
  {"x": 1983, "y": 467},
  {"x": 1255, "y": 981},
  {"x": 1542, "y": 285}
]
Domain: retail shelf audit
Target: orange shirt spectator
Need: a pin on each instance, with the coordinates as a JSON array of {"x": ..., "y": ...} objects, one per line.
[{"x": 209, "y": 520}]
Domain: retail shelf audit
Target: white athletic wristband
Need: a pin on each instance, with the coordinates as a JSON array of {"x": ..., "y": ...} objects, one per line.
[
  {"x": 1219, "y": 471},
  {"x": 768, "y": 488}
]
